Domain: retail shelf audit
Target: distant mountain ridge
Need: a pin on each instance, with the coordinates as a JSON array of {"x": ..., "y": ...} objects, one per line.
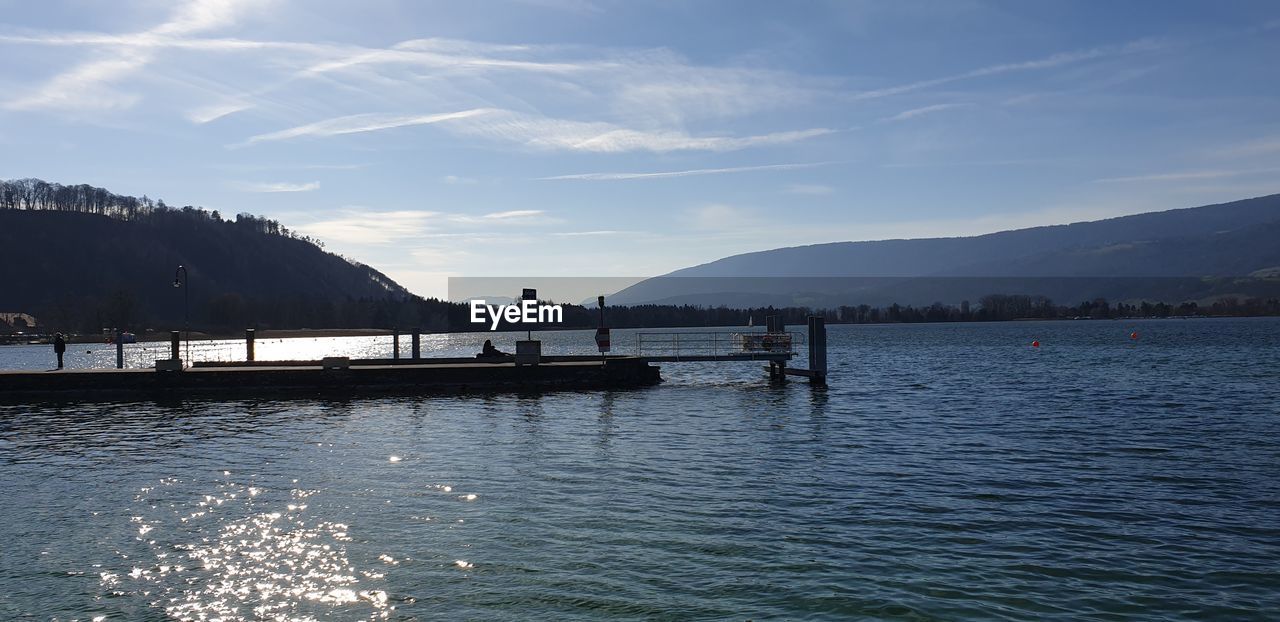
[{"x": 1218, "y": 242}]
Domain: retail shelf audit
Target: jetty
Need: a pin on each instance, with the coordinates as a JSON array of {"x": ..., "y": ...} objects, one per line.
[
  {"x": 332, "y": 377},
  {"x": 528, "y": 370},
  {"x": 776, "y": 346}
]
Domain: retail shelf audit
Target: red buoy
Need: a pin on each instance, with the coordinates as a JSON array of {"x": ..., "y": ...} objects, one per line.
[
  {"x": 1035, "y": 344},
  {"x": 1133, "y": 335}
]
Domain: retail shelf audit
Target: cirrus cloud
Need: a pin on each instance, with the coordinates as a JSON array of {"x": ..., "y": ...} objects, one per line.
[{"x": 282, "y": 186}]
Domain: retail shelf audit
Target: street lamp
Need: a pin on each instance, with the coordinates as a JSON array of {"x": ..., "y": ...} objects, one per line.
[{"x": 180, "y": 279}]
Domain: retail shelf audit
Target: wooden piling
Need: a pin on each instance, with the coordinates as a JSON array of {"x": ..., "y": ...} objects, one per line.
[
  {"x": 415, "y": 344},
  {"x": 395, "y": 343},
  {"x": 818, "y": 349},
  {"x": 175, "y": 339},
  {"x": 119, "y": 349},
  {"x": 249, "y": 335}
]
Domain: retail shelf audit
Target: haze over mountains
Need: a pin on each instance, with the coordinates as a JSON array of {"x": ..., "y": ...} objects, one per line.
[{"x": 1171, "y": 256}]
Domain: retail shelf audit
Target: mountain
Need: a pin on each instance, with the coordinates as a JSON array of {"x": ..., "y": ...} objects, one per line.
[
  {"x": 82, "y": 258},
  {"x": 1175, "y": 255}
]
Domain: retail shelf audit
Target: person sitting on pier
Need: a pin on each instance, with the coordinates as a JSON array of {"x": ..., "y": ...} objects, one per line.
[{"x": 488, "y": 351}]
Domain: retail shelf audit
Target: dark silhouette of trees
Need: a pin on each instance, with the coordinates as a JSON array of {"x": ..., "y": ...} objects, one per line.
[{"x": 82, "y": 258}]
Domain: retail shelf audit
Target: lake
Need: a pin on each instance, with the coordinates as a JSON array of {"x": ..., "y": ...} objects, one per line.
[{"x": 949, "y": 471}]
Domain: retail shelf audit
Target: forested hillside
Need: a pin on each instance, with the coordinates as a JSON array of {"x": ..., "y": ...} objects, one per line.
[{"x": 82, "y": 258}]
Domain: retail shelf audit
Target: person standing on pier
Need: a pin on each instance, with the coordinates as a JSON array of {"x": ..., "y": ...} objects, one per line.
[{"x": 59, "y": 347}]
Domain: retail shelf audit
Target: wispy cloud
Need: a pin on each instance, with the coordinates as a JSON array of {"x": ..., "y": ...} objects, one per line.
[
  {"x": 541, "y": 133},
  {"x": 371, "y": 228},
  {"x": 450, "y": 55},
  {"x": 721, "y": 217},
  {"x": 1049, "y": 62},
  {"x": 1252, "y": 148},
  {"x": 811, "y": 189},
  {"x": 86, "y": 86},
  {"x": 517, "y": 213},
  {"x": 550, "y": 134},
  {"x": 276, "y": 186},
  {"x": 359, "y": 227},
  {"x": 357, "y": 123},
  {"x": 83, "y": 86},
  {"x": 504, "y": 218},
  {"x": 289, "y": 166},
  {"x": 641, "y": 100},
  {"x": 213, "y": 112},
  {"x": 1189, "y": 175},
  {"x": 685, "y": 173},
  {"x": 916, "y": 112},
  {"x": 583, "y": 234},
  {"x": 457, "y": 180}
]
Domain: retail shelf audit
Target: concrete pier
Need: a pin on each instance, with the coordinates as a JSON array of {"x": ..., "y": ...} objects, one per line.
[{"x": 264, "y": 379}]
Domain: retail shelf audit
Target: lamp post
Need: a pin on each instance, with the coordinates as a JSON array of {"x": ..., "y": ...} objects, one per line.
[{"x": 180, "y": 279}]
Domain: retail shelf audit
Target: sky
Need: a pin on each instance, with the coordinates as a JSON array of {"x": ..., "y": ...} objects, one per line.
[{"x": 604, "y": 138}]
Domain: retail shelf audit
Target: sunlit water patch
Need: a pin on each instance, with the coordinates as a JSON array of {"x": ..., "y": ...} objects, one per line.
[{"x": 244, "y": 552}]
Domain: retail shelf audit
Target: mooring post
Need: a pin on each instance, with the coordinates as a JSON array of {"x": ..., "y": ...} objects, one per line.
[
  {"x": 249, "y": 335},
  {"x": 175, "y": 340},
  {"x": 416, "y": 344},
  {"x": 818, "y": 349},
  {"x": 395, "y": 343},
  {"x": 602, "y": 333},
  {"x": 119, "y": 349}
]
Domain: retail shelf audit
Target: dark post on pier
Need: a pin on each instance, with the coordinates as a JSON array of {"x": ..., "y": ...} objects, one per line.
[
  {"x": 395, "y": 343},
  {"x": 415, "y": 344},
  {"x": 119, "y": 349},
  {"x": 175, "y": 343},
  {"x": 817, "y": 370},
  {"x": 602, "y": 332},
  {"x": 249, "y": 335},
  {"x": 818, "y": 349}
]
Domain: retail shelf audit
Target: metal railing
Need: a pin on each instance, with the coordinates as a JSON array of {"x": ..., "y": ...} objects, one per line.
[{"x": 678, "y": 344}]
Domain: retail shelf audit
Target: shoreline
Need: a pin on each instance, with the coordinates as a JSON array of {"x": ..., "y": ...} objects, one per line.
[{"x": 295, "y": 333}]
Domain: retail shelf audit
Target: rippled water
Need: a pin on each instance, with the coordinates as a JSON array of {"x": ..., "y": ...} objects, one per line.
[{"x": 949, "y": 472}]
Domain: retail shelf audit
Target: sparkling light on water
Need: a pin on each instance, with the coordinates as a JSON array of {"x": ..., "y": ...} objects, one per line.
[{"x": 245, "y": 556}]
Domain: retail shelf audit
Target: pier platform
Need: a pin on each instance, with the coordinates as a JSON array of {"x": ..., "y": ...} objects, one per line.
[{"x": 294, "y": 378}]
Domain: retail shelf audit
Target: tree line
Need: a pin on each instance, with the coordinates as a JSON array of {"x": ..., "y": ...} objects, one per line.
[
  {"x": 231, "y": 313},
  {"x": 39, "y": 195},
  {"x": 990, "y": 308}
]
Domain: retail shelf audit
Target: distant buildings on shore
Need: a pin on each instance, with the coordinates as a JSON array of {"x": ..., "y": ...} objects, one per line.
[{"x": 16, "y": 322}]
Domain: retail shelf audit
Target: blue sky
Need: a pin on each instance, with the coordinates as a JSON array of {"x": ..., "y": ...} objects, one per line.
[{"x": 602, "y": 138}]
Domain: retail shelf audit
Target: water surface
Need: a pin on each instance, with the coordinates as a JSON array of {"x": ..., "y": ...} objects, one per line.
[{"x": 949, "y": 472}]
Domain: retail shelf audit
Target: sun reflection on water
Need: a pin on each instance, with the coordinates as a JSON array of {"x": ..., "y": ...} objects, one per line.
[{"x": 222, "y": 557}]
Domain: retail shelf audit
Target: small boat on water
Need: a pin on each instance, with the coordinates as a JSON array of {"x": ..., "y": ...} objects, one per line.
[{"x": 126, "y": 337}]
